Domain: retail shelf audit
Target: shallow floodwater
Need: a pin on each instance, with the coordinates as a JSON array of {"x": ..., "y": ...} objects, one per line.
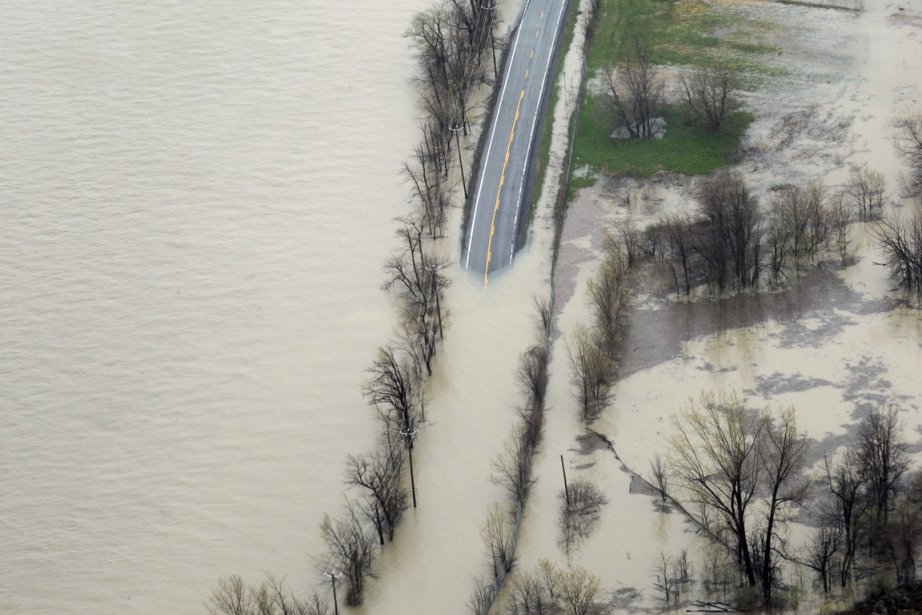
[{"x": 196, "y": 202}]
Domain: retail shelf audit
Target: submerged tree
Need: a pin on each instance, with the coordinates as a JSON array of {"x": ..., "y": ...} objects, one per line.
[
  {"x": 901, "y": 240},
  {"x": 909, "y": 145},
  {"x": 351, "y": 551},
  {"x": 715, "y": 454},
  {"x": 882, "y": 458},
  {"x": 591, "y": 371},
  {"x": 729, "y": 238},
  {"x": 849, "y": 505},
  {"x": 385, "y": 499},
  {"x": 742, "y": 468}
]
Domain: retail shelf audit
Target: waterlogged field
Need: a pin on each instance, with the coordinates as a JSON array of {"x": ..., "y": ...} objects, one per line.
[{"x": 834, "y": 343}]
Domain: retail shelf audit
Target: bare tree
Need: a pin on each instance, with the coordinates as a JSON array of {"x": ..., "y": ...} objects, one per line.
[
  {"x": 535, "y": 592},
  {"x": 662, "y": 579},
  {"x": 681, "y": 575},
  {"x": 778, "y": 246},
  {"x": 608, "y": 294},
  {"x": 276, "y": 600},
  {"x": 481, "y": 599},
  {"x": 635, "y": 90},
  {"x": 715, "y": 454},
  {"x": 903, "y": 535},
  {"x": 707, "y": 94},
  {"x": 579, "y": 591},
  {"x": 841, "y": 216},
  {"x": 679, "y": 250},
  {"x": 820, "y": 553},
  {"x": 904, "y": 531},
  {"x": 901, "y": 240},
  {"x": 804, "y": 217},
  {"x": 730, "y": 236},
  {"x": 385, "y": 499},
  {"x": 416, "y": 274},
  {"x": 882, "y": 458},
  {"x": 499, "y": 535},
  {"x": 627, "y": 240},
  {"x": 909, "y": 145},
  {"x": 580, "y": 506},
  {"x": 429, "y": 189},
  {"x": 315, "y": 605},
  {"x": 395, "y": 390},
  {"x": 782, "y": 454},
  {"x": 532, "y": 374},
  {"x": 590, "y": 371},
  {"x": 660, "y": 473},
  {"x": 350, "y": 550},
  {"x": 544, "y": 319},
  {"x": 847, "y": 487},
  {"x": 865, "y": 189},
  {"x": 512, "y": 467},
  {"x": 231, "y": 597}
]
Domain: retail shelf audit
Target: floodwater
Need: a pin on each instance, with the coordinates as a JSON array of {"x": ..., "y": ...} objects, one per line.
[
  {"x": 833, "y": 345},
  {"x": 195, "y": 203}
]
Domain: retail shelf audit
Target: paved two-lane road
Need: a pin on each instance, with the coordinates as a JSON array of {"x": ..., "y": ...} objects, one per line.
[{"x": 500, "y": 187}]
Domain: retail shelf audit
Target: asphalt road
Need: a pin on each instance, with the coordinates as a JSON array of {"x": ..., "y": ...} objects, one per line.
[{"x": 512, "y": 140}]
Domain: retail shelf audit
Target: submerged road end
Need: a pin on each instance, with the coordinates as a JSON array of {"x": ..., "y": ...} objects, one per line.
[{"x": 501, "y": 181}]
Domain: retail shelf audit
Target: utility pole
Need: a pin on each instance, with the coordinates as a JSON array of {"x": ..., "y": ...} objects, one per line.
[
  {"x": 455, "y": 128},
  {"x": 408, "y": 436},
  {"x": 334, "y": 574},
  {"x": 566, "y": 489}
]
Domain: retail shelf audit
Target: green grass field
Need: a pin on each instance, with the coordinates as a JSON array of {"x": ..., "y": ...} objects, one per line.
[
  {"x": 679, "y": 32},
  {"x": 686, "y": 149}
]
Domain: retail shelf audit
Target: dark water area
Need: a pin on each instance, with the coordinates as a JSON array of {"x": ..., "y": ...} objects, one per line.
[{"x": 656, "y": 335}]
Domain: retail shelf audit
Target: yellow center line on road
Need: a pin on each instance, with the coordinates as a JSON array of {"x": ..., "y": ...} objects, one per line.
[{"x": 502, "y": 180}]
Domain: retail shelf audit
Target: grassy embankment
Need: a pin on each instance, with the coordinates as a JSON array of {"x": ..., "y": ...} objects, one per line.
[
  {"x": 682, "y": 33},
  {"x": 544, "y": 145}
]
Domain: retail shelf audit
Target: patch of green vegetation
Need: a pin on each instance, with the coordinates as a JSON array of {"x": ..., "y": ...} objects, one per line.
[
  {"x": 685, "y": 148},
  {"x": 677, "y": 32}
]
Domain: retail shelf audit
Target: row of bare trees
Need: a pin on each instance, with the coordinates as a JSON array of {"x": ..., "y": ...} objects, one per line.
[
  {"x": 636, "y": 92},
  {"x": 548, "y": 590},
  {"x": 739, "y": 473},
  {"x": 593, "y": 352},
  {"x": 512, "y": 468},
  {"x": 451, "y": 41},
  {"x": 233, "y": 596},
  {"x": 729, "y": 243}
]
